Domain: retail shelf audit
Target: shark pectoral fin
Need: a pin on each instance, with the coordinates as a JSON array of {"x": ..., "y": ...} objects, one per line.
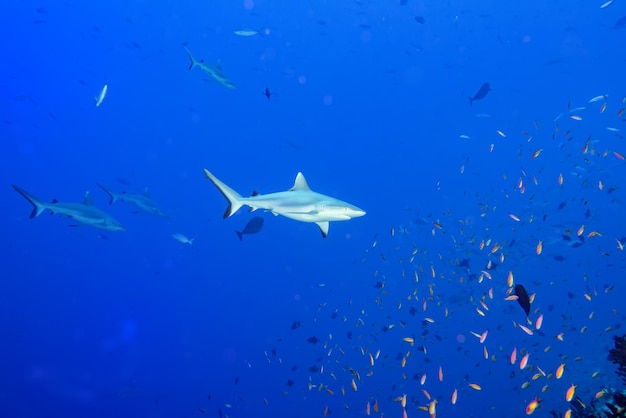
[
  {"x": 323, "y": 227},
  {"x": 274, "y": 213}
]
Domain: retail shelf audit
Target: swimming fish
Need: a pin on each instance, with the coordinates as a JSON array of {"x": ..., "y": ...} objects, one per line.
[
  {"x": 253, "y": 226},
  {"x": 183, "y": 239},
  {"x": 100, "y": 97},
  {"x": 522, "y": 298},
  {"x": 481, "y": 93}
]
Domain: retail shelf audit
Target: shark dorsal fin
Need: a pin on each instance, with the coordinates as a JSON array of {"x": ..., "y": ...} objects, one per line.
[
  {"x": 300, "y": 183},
  {"x": 87, "y": 200},
  {"x": 54, "y": 201},
  {"x": 254, "y": 193},
  {"x": 146, "y": 192}
]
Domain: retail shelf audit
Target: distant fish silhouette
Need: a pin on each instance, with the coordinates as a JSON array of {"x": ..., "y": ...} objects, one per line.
[
  {"x": 621, "y": 23},
  {"x": 522, "y": 298},
  {"x": 481, "y": 93},
  {"x": 253, "y": 226}
]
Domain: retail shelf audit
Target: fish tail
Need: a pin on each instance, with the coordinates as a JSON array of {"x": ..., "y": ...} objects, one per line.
[
  {"x": 193, "y": 62},
  {"x": 234, "y": 198},
  {"x": 470, "y": 99},
  {"x": 112, "y": 196},
  {"x": 240, "y": 235},
  {"x": 38, "y": 205}
]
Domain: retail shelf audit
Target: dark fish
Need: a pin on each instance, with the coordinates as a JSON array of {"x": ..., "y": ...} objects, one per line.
[
  {"x": 562, "y": 205},
  {"x": 295, "y": 325},
  {"x": 290, "y": 382},
  {"x": 313, "y": 340},
  {"x": 403, "y": 2},
  {"x": 621, "y": 23},
  {"x": 420, "y": 19},
  {"x": 253, "y": 226},
  {"x": 464, "y": 263},
  {"x": 522, "y": 298},
  {"x": 267, "y": 93},
  {"x": 481, "y": 93}
]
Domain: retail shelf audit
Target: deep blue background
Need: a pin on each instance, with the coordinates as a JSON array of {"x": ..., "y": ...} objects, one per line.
[{"x": 370, "y": 107}]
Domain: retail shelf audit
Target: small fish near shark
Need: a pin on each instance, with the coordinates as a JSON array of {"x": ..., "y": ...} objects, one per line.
[
  {"x": 85, "y": 213},
  {"x": 215, "y": 73},
  {"x": 142, "y": 201},
  {"x": 299, "y": 203}
]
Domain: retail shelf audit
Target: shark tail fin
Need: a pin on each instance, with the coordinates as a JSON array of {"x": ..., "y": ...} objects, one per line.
[
  {"x": 234, "y": 198},
  {"x": 38, "y": 205},
  {"x": 193, "y": 61},
  {"x": 112, "y": 196},
  {"x": 470, "y": 99},
  {"x": 240, "y": 235}
]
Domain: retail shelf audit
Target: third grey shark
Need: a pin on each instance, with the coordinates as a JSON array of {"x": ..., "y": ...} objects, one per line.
[
  {"x": 85, "y": 213},
  {"x": 216, "y": 72},
  {"x": 299, "y": 203},
  {"x": 142, "y": 201}
]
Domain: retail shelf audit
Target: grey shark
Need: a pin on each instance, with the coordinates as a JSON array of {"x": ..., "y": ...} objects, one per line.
[
  {"x": 85, "y": 213},
  {"x": 299, "y": 203},
  {"x": 142, "y": 201},
  {"x": 215, "y": 73}
]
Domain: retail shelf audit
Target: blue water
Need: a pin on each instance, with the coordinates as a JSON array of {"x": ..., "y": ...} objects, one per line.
[{"x": 372, "y": 106}]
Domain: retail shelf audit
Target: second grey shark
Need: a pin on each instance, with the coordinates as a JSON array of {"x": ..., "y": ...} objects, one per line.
[
  {"x": 215, "y": 73},
  {"x": 299, "y": 203},
  {"x": 85, "y": 213},
  {"x": 142, "y": 201}
]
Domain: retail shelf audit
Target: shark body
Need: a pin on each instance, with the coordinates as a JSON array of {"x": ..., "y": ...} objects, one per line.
[
  {"x": 299, "y": 203},
  {"x": 85, "y": 213},
  {"x": 142, "y": 201},
  {"x": 215, "y": 73}
]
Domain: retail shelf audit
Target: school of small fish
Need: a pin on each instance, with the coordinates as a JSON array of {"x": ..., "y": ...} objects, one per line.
[{"x": 459, "y": 296}]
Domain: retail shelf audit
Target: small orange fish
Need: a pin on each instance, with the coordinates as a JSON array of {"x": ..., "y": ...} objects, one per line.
[
  {"x": 367, "y": 408},
  {"x": 559, "y": 371},
  {"x": 514, "y": 356},
  {"x": 537, "y": 153},
  {"x": 440, "y": 374},
  {"x": 483, "y": 337},
  {"x": 432, "y": 410},
  {"x": 523, "y": 362},
  {"x": 568, "y": 414},
  {"x": 569, "y": 395},
  {"x": 618, "y": 155},
  {"x": 560, "y": 179},
  {"x": 326, "y": 411},
  {"x": 475, "y": 386},
  {"x": 376, "y": 406},
  {"x": 534, "y": 404},
  {"x": 454, "y": 396},
  {"x": 425, "y": 392},
  {"x": 539, "y": 248},
  {"x": 403, "y": 400},
  {"x": 539, "y": 322}
]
